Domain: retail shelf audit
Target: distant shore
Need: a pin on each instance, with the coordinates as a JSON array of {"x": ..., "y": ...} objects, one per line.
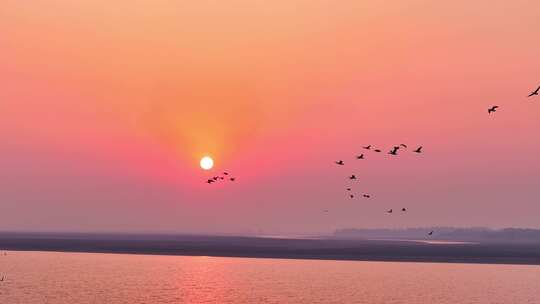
[{"x": 283, "y": 248}]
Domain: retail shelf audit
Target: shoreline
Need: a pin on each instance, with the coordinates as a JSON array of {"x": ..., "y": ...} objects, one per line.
[
  {"x": 253, "y": 247},
  {"x": 449, "y": 260}
]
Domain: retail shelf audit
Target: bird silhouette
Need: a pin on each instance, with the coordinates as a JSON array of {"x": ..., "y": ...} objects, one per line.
[
  {"x": 209, "y": 181},
  {"x": 389, "y": 211},
  {"x": 403, "y": 145},
  {"x": 535, "y": 92},
  {"x": 348, "y": 189},
  {"x": 2, "y": 279},
  {"x": 430, "y": 233},
  {"x": 394, "y": 150},
  {"x": 377, "y": 150},
  {"x": 215, "y": 178},
  {"x": 232, "y": 179},
  {"x": 418, "y": 150},
  {"x": 403, "y": 209},
  {"x": 367, "y": 147},
  {"x": 340, "y": 162},
  {"x": 352, "y": 177},
  {"x": 361, "y": 156},
  {"x": 351, "y": 196},
  {"x": 225, "y": 173},
  {"x": 366, "y": 195},
  {"x": 492, "y": 109}
]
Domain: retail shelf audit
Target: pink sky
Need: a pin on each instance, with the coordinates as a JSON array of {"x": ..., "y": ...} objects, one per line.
[{"x": 107, "y": 107}]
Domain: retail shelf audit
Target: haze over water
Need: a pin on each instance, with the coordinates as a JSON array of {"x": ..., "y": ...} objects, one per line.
[{"x": 65, "y": 278}]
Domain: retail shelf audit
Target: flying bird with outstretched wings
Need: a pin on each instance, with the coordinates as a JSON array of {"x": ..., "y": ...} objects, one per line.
[
  {"x": 492, "y": 109},
  {"x": 535, "y": 92},
  {"x": 394, "y": 151}
]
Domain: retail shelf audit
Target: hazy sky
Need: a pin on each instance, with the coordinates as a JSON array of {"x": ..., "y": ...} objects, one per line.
[{"x": 107, "y": 106}]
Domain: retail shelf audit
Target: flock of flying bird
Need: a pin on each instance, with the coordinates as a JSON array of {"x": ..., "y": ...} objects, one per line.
[
  {"x": 219, "y": 178},
  {"x": 393, "y": 151}
]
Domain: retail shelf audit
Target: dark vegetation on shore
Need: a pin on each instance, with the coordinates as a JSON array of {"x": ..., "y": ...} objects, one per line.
[{"x": 483, "y": 235}]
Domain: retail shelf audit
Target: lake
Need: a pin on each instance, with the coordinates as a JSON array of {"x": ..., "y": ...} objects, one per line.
[{"x": 69, "y": 278}]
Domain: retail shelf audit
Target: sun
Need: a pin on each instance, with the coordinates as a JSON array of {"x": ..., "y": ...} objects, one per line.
[{"x": 207, "y": 163}]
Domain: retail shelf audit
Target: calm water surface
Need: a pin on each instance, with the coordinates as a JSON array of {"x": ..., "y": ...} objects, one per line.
[{"x": 68, "y": 278}]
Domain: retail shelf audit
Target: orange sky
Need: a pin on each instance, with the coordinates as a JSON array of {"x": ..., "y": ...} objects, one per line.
[{"x": 107, "y": 107}]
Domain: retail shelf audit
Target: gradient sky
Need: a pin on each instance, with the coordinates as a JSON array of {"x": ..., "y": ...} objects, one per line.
[{"x": 107, "y": 106}]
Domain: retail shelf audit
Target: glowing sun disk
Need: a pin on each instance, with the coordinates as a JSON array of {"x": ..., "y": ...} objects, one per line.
[{"x": 207, "y": 163}]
